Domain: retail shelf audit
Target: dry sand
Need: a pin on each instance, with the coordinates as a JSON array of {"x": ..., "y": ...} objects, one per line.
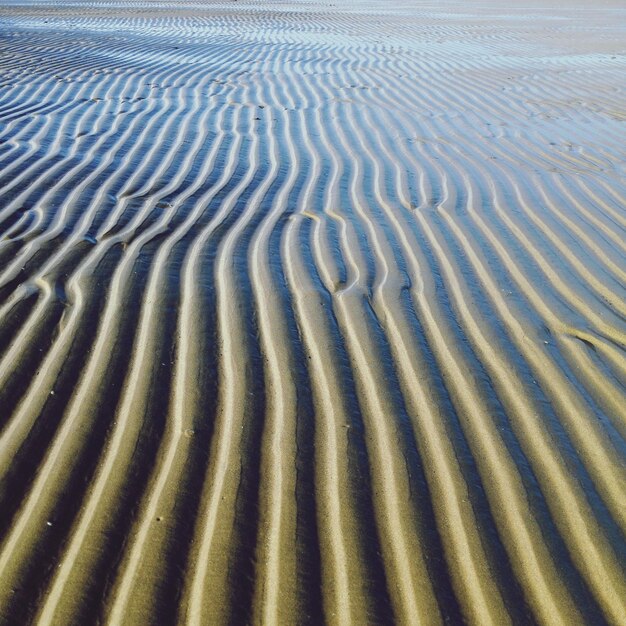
[{"x": 312, "y": 312}]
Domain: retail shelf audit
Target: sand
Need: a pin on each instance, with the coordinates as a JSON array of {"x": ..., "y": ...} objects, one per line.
[{"x": 312, "y": 312}]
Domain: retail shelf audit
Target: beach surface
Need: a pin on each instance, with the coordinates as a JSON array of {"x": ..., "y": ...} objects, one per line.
[{"x": 312, "y": 312}]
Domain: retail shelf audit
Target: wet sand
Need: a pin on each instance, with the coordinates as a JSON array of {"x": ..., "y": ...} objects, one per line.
[{"x": 312, "y": 313}]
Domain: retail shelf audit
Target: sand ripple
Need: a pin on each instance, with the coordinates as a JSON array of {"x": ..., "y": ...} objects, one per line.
[{"x": 312, "y": 313}]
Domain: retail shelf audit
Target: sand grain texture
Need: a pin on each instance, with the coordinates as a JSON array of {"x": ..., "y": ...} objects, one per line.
[{"x": 312, "y": 313}]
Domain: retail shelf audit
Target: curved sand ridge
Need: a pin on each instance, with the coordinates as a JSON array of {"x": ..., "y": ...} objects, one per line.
[{"x": 312, "y": 314}]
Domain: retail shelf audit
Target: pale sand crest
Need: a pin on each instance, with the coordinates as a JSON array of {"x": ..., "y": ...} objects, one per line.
[{"x": 312, "y": 313}]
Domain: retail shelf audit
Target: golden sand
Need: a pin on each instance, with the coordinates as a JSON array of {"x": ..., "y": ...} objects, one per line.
[{"x": 312, "y": 313}]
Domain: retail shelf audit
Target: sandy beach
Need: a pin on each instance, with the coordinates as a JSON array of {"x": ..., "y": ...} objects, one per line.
[{"x": 312, "y": 312}]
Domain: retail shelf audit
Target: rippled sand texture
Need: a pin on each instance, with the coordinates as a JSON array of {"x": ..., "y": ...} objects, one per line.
[{"x": 312, "y": 313}]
